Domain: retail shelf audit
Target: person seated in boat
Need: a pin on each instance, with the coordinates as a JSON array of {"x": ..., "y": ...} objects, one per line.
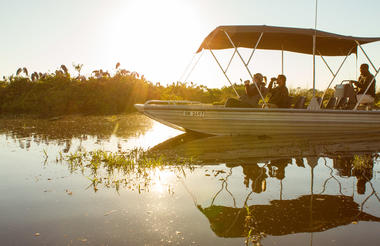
[
  {"x": 252, "y": 90},
  {"x": 363, "y": 82},
  {"x": 252, "y": 95},
  {"x": 279, "y": 95}
]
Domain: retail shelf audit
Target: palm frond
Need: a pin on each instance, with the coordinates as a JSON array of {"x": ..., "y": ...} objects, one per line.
[
  {"x": 19, "y": 71},
  {"x": 64, "y": 69}
]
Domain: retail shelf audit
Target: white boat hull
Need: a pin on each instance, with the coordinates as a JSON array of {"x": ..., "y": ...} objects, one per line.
[{"x": 218, "y": 120}]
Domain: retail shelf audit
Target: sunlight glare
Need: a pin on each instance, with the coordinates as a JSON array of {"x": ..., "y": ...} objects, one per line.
[
  {"x": 160, "y": 180},
  {"x": 163, "y": 28},
  {"x": 157, "y": 134}
]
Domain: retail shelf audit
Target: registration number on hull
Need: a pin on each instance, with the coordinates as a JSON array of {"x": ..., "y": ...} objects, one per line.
[{"x": 194, "y": 113}]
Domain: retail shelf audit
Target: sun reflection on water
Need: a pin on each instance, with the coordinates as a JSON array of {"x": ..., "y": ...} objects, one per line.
[
  {"x": 161, "y": 181},
  {"x": 155, "y": 135}
]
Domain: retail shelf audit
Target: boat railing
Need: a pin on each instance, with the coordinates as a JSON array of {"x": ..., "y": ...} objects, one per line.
[
  {"x": 171, "y": 102},
  {"x": 347, "y": 80}
]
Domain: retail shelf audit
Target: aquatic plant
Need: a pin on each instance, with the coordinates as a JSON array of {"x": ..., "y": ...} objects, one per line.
[
  {"x": 133, "y": 169},
  {"x": 253, "y": 236}
]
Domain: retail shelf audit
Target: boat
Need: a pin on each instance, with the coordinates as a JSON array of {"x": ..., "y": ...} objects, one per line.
[{"x": 210, "y": 119}]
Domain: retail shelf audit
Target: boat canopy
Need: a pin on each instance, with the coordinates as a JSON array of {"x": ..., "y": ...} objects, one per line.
[{"x": 298, "y": 40}]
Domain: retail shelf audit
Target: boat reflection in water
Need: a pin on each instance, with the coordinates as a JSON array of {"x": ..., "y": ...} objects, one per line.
[{"x": 267, "y": 159}]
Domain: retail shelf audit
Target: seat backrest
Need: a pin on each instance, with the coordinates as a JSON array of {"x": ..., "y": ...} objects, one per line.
[{"x": 300, "y": 103}]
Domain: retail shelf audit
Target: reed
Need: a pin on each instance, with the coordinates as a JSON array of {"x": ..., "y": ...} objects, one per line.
[{"x": 133, "y": 169}]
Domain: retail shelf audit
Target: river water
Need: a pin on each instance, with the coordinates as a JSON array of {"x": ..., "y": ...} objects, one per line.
[{"x": 200, "y": 191}]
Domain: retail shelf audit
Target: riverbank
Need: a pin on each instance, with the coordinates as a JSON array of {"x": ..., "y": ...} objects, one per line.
[
  {"x": 57, "y": 94},
  {"x": 60, "y": 94}
]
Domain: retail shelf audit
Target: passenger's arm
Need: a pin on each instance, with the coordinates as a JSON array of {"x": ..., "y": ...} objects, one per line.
[
  {"x": 251, "y": 90},
  {"x": 270, "y": 85}
]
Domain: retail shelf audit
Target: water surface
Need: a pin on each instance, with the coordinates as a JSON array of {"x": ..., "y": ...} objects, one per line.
[{"x": 205, "y": 191}]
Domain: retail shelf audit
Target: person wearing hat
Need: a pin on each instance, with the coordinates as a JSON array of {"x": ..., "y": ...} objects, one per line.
[{"x": 252, "y": 90}]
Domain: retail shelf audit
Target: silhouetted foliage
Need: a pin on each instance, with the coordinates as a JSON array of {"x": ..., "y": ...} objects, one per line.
[{"x": 58, "y": 93}]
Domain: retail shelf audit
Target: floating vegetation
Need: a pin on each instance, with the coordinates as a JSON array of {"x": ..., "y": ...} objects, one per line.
[{"x": 135, "y": 169}]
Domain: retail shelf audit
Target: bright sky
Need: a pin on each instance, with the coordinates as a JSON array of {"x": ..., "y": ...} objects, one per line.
[{"x": 158, "y": 38}]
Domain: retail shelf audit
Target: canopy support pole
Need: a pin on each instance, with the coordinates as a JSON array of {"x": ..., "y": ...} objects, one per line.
[
  {"x": 356, "y": 65},
  {"x": 327, "y": 65},
  {"x": 246, "y": 66},
  {"x": 192, "y": 69},
  {"x": 282, "y": 60},
  {"x": 314, "y": 39},
  {"x": 233, "y": 87},
  {"x": 334, "y": 74},
  {"x": 229, "y": 63},
  {"x": 373, "y": 66},
  {"x": 314, "y": 44},
  {"x": 254, "y": 49},
  {"x": 365, "y": 92},
  {"x": 187, "y": 67}
]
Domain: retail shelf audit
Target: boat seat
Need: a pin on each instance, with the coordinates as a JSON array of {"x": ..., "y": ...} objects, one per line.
[
  {"x": 300, "y": 103},
  {"x": 366, "y": 106},
  {"x": 331, "y": 103},
  {"x": 342, "y": 103}
]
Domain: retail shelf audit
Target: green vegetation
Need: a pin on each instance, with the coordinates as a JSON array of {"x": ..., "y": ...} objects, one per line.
[
  {"x": 135, "y": 169},
  {"x": 60, "y": 93}
]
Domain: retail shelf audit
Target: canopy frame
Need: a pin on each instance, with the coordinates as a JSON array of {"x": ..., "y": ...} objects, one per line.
[
  {"x": 225, "y": 74},
  {"x": 246, "y": 64},
  {"x": 349, "y": 44},
  {"x": 297, "y": 40},
  {"x": 333, "y": 74}
]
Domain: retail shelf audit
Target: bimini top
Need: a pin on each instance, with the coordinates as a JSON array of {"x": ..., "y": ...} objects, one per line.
[{"x": 283, "y": 38}]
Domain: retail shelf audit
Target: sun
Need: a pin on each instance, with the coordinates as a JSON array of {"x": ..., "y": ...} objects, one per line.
[{"x": 153, "y": 37}]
